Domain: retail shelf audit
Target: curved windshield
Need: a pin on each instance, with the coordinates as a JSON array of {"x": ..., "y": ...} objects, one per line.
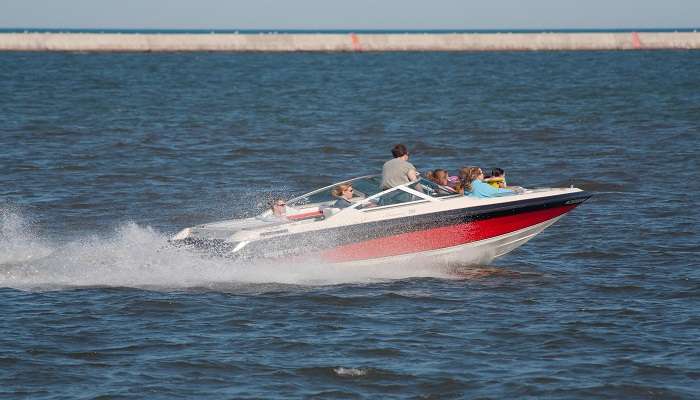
[
  {"x": 407, "y": 194},
  {"x": 368, "y": 186},
  {"x": 364, "y": 187}
]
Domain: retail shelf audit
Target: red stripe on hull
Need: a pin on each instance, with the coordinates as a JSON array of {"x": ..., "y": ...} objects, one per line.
[
  {"x": 312, "y": 214},
  {"x": 438, "y": 238}
]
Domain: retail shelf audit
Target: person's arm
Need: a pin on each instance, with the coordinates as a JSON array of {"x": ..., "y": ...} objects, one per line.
[
  {"x": 412, "y": 175},
  {"x": 485, "y": 190},
  {"x": 503, "y": 192}
]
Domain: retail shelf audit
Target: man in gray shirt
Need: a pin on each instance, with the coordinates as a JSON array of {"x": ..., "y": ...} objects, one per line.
[{"x": 398, "y": 171}]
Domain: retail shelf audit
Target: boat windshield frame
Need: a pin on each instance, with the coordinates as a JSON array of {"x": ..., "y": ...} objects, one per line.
[
  {"x": 422, "y": 197},
  {"x": 298, "y": 201}
]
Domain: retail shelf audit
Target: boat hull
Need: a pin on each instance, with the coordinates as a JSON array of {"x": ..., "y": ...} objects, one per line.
[
  {"x": 481, "y": 252},
  {"x": 456, "y": 233},
  {"x": 466, "y": 235}
]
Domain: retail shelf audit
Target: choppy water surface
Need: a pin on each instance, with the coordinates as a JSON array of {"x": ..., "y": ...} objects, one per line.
[{"x": 104, "y": 156}]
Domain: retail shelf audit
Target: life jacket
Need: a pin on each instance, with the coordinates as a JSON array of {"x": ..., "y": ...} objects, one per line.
[{"x": 495, "y": 182}]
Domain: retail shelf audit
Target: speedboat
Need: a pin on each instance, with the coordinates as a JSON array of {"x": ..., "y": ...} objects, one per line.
[{"x": 419, "y": 221}]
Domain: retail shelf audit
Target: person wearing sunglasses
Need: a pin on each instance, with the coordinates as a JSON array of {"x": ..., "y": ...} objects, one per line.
[
  {"x": 279, "y": 211},
  {"x": 472, "y": 184},
  {"x": 344, "y": 193},
  {"x": 279, "y": 208}
]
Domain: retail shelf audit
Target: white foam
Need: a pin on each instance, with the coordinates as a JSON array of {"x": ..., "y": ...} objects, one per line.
[
  {"x": 352, "y": 372},
  {"x": 140, "y": 257},
  {"x": 18, "y": 243}
]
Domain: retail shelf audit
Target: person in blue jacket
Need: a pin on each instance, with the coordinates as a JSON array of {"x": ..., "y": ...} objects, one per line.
[{"x": 473, "y": 185}]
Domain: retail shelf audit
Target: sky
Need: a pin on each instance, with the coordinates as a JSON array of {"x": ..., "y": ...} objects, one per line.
[{"x": 349, "y": 14}]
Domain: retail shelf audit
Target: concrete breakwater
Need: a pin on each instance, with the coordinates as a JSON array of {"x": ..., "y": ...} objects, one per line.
[{"x": 287, "y": 42}]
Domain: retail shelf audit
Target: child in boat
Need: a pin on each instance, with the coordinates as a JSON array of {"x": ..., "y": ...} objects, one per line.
[
  {"x": 453, "y": 181},
  {"x": 438, "y": 176},
  {"x": 497, "y": 178},
  {"x": 442, "y": 178}
]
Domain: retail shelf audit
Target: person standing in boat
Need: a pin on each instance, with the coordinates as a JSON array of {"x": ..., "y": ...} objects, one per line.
[{"x": 398, "y": 170}]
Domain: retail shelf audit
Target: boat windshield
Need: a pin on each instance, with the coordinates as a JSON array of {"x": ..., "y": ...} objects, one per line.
[
  {"x": 368, "y": 186},
  {"x": 364, "y": 187},
  {"x": 420, "y": 190}
]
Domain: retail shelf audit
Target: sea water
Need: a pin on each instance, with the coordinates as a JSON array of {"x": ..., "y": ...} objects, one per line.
[{"x": 104, "y": 156}]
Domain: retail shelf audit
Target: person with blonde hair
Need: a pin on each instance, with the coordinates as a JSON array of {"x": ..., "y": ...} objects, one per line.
[
  {"x": 471, "y": 184},
  {"x": 438, "y": 176},
  {"x": 344, "y": 193}
]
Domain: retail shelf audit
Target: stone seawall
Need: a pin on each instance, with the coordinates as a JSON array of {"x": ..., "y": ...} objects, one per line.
[{"x": 270, "y": 42}]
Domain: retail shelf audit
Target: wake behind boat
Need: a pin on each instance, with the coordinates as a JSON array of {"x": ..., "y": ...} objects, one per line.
[{"x": 419, "y": 220}]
